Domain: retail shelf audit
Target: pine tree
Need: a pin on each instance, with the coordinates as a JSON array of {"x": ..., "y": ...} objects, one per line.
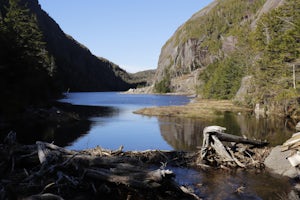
[
  {"x": 26, "y": 68},
  {"x": 25, "y": 38}
]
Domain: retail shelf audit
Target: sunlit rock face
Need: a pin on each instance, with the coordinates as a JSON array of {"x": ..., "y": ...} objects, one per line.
[{"x": 190, "y": 50}]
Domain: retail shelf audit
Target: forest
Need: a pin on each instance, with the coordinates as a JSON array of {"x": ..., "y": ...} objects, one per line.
[{"x": 27, "y": 70}]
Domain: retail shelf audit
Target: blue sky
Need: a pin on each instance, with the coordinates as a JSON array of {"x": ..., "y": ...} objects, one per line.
[{"x": 129, "y": 33}]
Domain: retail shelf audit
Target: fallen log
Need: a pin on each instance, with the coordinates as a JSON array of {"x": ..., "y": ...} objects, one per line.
[
  {"x": 225, "y": 137},
  {"x": 143, "y": 180}
]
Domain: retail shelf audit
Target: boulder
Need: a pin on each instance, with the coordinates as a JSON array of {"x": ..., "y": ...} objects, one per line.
[{"x": 277, "y": 163}]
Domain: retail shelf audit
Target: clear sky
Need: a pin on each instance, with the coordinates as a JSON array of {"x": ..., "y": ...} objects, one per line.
[{"x": 129, "y": 33}]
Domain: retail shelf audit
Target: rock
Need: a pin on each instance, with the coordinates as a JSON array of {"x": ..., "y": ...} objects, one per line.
[
  {"x": 277, "y": 163},
  {"x": 245, "y": 89}
]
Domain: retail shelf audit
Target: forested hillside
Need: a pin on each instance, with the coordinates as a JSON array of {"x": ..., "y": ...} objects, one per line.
[
  {"x": 27, "y": 70},
  {"x": 38, "y": 60},
  {"x": 235, "y": 49}
]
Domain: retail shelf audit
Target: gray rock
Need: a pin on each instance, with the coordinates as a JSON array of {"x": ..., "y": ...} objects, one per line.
[{"x": 277, "y": 163}]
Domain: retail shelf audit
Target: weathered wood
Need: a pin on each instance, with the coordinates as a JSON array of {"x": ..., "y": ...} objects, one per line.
[
  {"x": 220, "y": 149},
  {"x": 91, "y": 173},
  {"x": 292, "y": 143},
  {"x": 144, "y": 180},
  {"x": 212, "y": 137},
  {"x": 218, "y": 131},
  {"x": 46, "y": 196}
]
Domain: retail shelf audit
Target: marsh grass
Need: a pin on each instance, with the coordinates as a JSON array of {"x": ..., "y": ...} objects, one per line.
[{"x": 199, "y": 108}]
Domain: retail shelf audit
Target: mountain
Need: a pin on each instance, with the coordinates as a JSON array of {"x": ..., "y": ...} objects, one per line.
[
  {"x": 236, "y": 49},
  {"x": 38, "y": 61},
  {"x": 77, "y": 68},
  {"x": 144, "y": 77}
]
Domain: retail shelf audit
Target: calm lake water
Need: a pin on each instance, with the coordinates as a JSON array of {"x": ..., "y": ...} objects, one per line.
[
  {"x": 110, "y": 123},
  {"x": 121, "y": 126},
  {"x": 115, "y": 124}
]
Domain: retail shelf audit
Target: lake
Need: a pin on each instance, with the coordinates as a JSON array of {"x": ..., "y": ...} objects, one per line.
[
  {"x": 121, "y": 126},
  {"x": 116, "y": 125},
  {"x": 109, "y": 122}
]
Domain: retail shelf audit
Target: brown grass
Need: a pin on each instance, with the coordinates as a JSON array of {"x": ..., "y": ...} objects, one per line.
[{"x": 199, "y": 108}]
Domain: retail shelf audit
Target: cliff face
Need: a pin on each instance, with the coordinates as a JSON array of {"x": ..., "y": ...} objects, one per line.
[
  {"x": 235, "y": 48},
  {"x": 182, "y": 58},
  {"x": 77, "y": 68}
]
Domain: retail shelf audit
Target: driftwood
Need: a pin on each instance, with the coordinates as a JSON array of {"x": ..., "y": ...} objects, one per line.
[
  {"x": 214, "y": 151},
  {"x": 46, "y": 171},
  {"x": 293, "y": 144}
]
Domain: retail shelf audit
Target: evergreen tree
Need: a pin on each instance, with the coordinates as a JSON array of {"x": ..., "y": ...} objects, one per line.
[
  {"x": 277, "y": 37},
  {"x": 26, "y": 69}
]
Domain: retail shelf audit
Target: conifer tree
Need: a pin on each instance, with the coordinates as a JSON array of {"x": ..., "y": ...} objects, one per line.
[{"x": 26, "y": 67}]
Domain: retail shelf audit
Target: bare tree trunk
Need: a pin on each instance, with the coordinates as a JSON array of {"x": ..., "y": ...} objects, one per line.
[{"x": 294, "y": 77}]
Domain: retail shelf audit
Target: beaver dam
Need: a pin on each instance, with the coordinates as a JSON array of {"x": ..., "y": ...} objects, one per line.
[{"x": 47, "y": 171}]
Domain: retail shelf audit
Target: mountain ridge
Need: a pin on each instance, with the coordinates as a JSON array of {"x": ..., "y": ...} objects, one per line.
[{"x": 90, "y": 72}]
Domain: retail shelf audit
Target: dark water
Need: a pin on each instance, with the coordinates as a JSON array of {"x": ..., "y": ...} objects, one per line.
[{"x": 110, "y": 123}]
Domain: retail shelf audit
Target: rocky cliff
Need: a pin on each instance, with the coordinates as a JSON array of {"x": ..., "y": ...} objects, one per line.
[
  {"x": 77, "y": 68},
  {"x": 198, "y": 42},
  {"x": 228, "y": 40}
]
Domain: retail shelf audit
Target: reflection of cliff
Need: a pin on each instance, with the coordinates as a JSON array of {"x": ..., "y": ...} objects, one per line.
[
  {"x": 186, "y": 134},
  {"x": 181, "y": 133}
]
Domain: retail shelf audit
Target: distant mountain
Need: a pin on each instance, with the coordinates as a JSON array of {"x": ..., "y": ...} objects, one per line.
[
  {"x": 77, "y": 68},
  {"x": 144, "y": 78},
  {"x": 237, "y": 49}
]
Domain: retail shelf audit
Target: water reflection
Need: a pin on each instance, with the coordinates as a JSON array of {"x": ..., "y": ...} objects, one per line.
[
  {"x": 216, "y": 185},
  {"x": 186, "y": 134},
  {"x": 220, "y": 184},
  {"x": 62, "y": 133}
]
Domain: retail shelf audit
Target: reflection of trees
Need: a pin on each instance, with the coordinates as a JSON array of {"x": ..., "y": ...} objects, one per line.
[
  {"x": 182, "y": 133},
  {"x": 274, "y": 129},
  {"x": 61, "y": 133},
  {"x": 186, "y": 133},
  {"x": 223, "y": 185}
]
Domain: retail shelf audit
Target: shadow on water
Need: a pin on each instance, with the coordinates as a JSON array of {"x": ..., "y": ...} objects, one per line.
[
  {"x": 62, "y": 133},
  {"x": 186, "y": 133},
  {"x": 231, "y": 185}
]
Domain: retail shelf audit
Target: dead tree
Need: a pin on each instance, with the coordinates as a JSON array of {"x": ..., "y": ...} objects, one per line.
[{"x": 212, "y": 146}]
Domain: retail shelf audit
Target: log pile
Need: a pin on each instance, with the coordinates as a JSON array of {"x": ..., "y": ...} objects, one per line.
[
  {"x": 46, "y": 171},
  {"x": 237, "y": 152}
]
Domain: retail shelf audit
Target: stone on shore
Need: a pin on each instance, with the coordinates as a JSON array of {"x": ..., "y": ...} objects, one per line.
[{"x": 277, "y": 163}]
